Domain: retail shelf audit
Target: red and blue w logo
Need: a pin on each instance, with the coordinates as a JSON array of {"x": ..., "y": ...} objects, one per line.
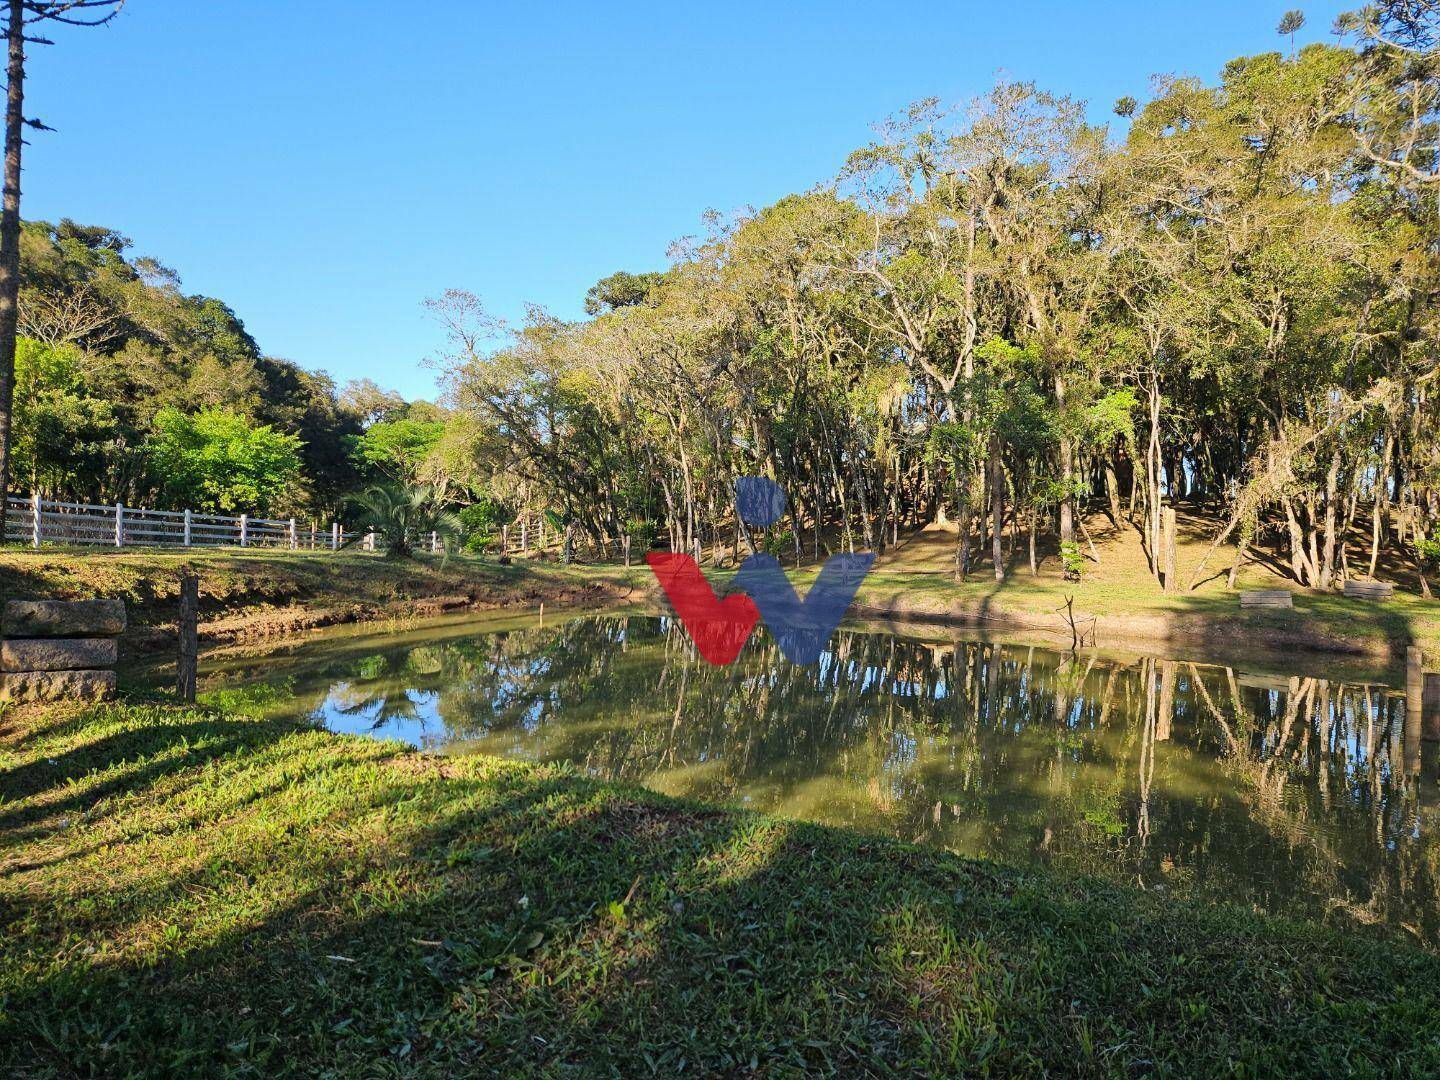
[{"x": 720, "y": 628}]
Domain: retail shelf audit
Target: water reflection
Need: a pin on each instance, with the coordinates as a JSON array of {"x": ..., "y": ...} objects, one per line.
[{"x": 1298, "y": 795}]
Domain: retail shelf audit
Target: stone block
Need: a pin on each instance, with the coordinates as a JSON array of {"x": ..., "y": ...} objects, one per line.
[
  {"x": 57, "y": 654},
  {"x": 62, "y": 618},
  {"x": 57, "y": 685}
]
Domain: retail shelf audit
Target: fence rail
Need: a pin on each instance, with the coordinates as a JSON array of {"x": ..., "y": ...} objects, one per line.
[{"x": 43, "y": 521}]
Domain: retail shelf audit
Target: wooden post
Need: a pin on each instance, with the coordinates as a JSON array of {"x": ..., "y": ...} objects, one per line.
[
  {"x": 312, "y": 534},
  {"x": 119, "y": 524},
  {"x": 1168, "y": 530},
  {"x": 524, "y": 535},
  {"x": 35, "y": 509},
  {"x": 335, "y": 536},
  {"x": 189, "y": 647},
  {"x": 244, "y": 530},
  {"x": 627, "y": 551},
  {"x": 187, "y": 530},
  {"x": 504, "y": 539},
  {"x": 294, "y": 543}
]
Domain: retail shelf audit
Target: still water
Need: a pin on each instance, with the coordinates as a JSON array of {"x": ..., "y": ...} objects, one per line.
[{"x": 1295, "y": 794}]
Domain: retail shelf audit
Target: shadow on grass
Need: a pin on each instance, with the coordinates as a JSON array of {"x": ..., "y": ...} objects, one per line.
[{"x": 296, "y": 902}]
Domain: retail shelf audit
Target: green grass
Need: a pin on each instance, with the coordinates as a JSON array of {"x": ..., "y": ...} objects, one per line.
[{"x": 187, "y": 891}]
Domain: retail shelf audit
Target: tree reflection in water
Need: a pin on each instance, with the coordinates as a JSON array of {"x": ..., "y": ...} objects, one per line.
[{"x": 1297, "y": 795}]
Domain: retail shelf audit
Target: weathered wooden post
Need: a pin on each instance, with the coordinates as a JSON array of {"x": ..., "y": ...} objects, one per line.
[
  {"x": 504, "y": 539},
  {"x": 294, "y": 543},
  {"x": 312, "y": 534},
  {"x": 189, "y": 637},
  {"x": 567, "y": 545},
  {"x": 1168, "y": 530},
  {"x": 59, "y": 650},
  {"x": 335, "y": 536},
  {"x": 187, "y": 527},
  {"x": 35, "y": 523},
  {"x": 244, "y": 530},
  {"x": 627, "y": 550},
  {"x": 524, "y": 535},
  {"x": 119, "y": 524}
]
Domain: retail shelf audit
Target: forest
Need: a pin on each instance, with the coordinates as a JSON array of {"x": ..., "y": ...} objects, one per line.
[
  {"x": 129, "y": 390},
  {"x": 999, "y": 314},
  {"x": 1002, "y": 315}
]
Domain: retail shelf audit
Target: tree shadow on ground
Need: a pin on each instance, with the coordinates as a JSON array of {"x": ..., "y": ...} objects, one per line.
[{"x": 302, "y": 903}]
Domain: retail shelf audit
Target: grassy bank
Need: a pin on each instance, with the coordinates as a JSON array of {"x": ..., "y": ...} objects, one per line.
[
  {"x": 188, "y": 891},
  {"x": 257, "y": 595},
  {"x": 261, "y": 595}
]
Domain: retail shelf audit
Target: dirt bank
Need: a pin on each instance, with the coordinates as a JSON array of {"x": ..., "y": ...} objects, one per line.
[{"x": 256, "y": 597}]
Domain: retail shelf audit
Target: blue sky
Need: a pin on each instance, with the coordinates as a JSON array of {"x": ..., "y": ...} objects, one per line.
[{"x": 323, "y": 166}]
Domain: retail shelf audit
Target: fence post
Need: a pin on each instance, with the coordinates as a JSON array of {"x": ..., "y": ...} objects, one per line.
[
  {"x": 35, "y": 525},
  {"x": 524, "y": 535},
  {"x": 334, "y": 536},
  {"x": 293, "y": 542},
  {"x": 244, "y": 529},
  {"x": 187, "y": 529},
  {"x": 434, "y": 542},
  {"x": 312, "y": 534},
  {"x": 626, "y": 542},
  {"x": 119, "y": 524},
  {"x": 189, "y": 611}
]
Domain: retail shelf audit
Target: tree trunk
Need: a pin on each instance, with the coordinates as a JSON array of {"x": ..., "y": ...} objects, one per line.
[
  {"x": 10, "y": 235},
  {"x": 997, "y": 507},
  {"x": 1112, "y": 488},
  {"x": 1332, "y": 495},
  {"x": 1067, "y": 473},
  {"x": 1382, "y": 479}
]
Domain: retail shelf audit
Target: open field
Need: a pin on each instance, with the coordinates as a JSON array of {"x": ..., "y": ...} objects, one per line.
[{"x": 186, "y": 890}]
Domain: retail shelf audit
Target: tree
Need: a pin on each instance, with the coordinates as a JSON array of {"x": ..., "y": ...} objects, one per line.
[
  {"x": 1291, "y": 24},
  {"x": 621, "y": 289},
  {"x": 401, "y": 514},
  {"x": 217, "y": 460},
  {"x": 23, "y": 15},
  {"x": 398, "y": 448}
]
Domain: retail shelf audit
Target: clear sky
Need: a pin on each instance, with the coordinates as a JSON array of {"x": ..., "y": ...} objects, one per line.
[{"x": 323, "y": 166}]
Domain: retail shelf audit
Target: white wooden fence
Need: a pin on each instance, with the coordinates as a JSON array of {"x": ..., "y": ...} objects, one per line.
[{"x": 43, "y": 521}]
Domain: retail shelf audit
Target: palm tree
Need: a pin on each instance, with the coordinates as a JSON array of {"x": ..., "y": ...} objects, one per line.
[{"x": 398, "y": 513}]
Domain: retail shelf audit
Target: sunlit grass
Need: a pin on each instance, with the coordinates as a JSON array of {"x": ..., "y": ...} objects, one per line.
[{"x": 183, "y": 890}]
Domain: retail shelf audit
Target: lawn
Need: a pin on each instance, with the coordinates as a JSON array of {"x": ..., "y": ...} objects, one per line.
[{"x": 185, "y": 890}]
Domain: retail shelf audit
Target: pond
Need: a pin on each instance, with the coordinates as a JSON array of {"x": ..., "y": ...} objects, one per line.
[{"x": 1297, "y": 794}]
